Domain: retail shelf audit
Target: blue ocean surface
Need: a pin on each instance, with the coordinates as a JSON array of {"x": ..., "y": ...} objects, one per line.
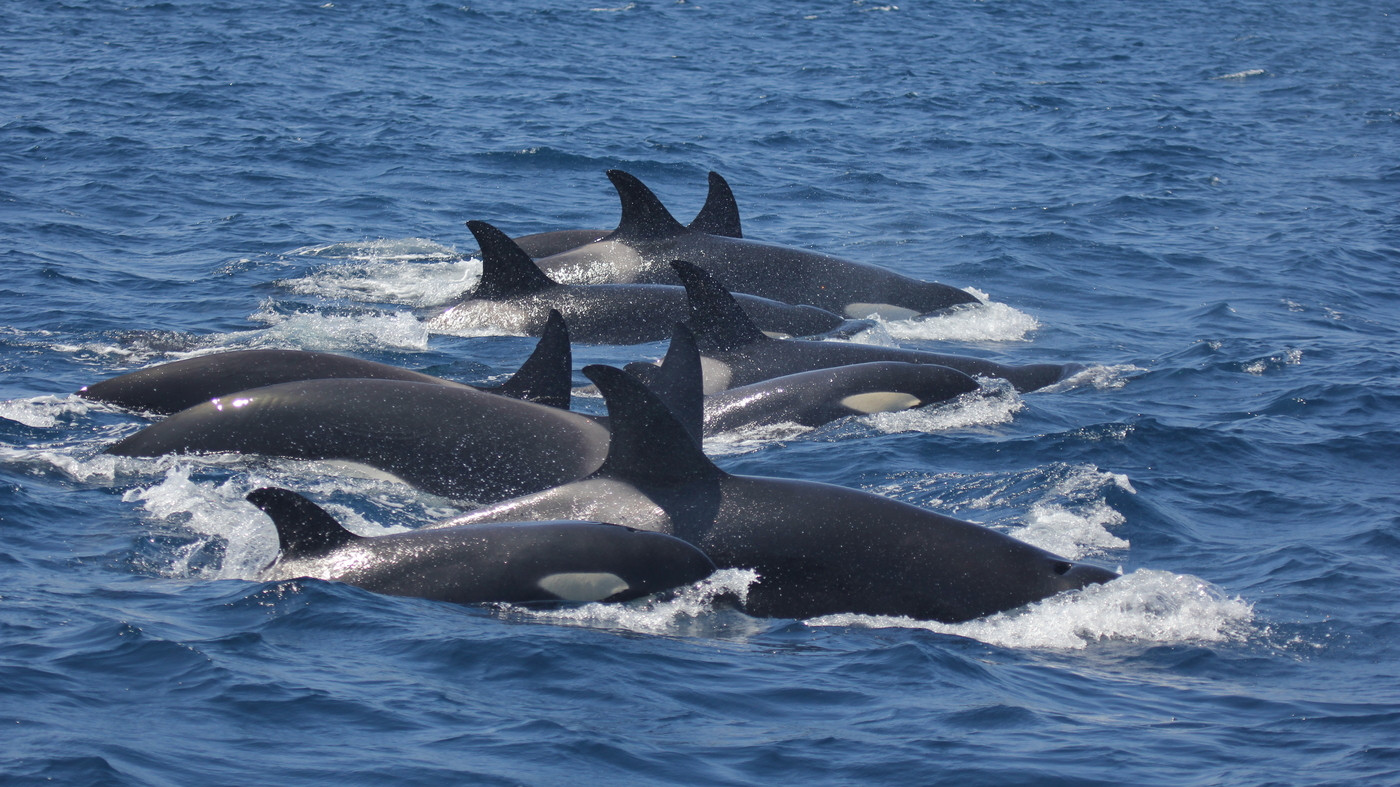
[{"x": 1198, "y": 201}]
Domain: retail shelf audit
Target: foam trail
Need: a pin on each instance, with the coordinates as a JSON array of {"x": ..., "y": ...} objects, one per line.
[
  {"x": 409, "y": 272},
  {"x": 986, "y": 322},
  {"x": 44, "y": 412},
  {"x": 333, "y": 332},
  {"x": 1145, "y": 606}
]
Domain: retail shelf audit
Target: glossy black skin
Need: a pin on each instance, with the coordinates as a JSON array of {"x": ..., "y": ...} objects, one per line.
[
  {"x": 499, "y": 563},
  {"x": 815, "y": 398},
  {"x": 818, "y": 549},
  {"x": 781, "y": 273},
  {"x": 171, "y": 387},
  {"x": 452, "y": 441}
]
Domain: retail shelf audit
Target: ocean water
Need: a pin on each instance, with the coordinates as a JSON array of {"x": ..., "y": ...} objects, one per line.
[{"x": 1198, "y": 201}]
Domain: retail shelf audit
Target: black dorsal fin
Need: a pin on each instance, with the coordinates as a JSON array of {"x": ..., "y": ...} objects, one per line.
[
  {"x": 644, "y": 218},
  {"x": 546, "y": 377},
  {"x": 679, "y": 381},
  {"x": 715, "y": 317},
  {"x": 720, "y": 213},
  {"x": 506, "y": 270},
  {"x": 304, "y": 529},
  {"x": 649, "y": 445}
]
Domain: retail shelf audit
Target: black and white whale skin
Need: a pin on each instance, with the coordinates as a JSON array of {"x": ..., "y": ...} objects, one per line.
[
  {"x": 452, "y": 441},
  {"x": 545, "y": 377},
  {"x": 514, "y": 296},
  {"x": 818, "y": 549},
  {"x": 518, "y": 562},
  {"x": 718, "y": 216},
  {"x": 807, "y": 398},
  {"x": 648, "y": 238},
  {"x": 824, "y": 395},
  {"x": 735, "y": 353}
]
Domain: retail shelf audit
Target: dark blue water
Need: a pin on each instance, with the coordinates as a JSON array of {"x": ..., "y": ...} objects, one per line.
[{"x": 1198, "y": 201}]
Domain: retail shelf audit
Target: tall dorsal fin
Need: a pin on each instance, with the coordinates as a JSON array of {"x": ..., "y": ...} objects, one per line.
[
  {"x": 720, "y": 214},
  {"x": 644, "y": 218},
  {"x": 506, "y": 270},
  {"x": 304, "y": 529},
  {"x": 715, "y": 317},
  {"x": 546, "y": 377},
  {"x": 649, "y": 444},
  {"x": 679, "y": 381}
]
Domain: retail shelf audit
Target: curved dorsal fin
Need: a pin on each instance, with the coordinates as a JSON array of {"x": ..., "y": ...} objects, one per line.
[
  {"x": 304, "y": 529},
  {"x": 546, "y": 377},
  {"x": 679, "y": 381},
  {"x": 715, "y": 317},
  {"x": 506, "y": 270},
  {"x": 649, "y": 444},
  {"x": 644, "y": 218},
  {"x": 720, "y": 213}
]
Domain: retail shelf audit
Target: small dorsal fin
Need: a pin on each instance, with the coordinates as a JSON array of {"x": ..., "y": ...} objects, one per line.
[
  {"x": 546, "y": 377},
  {"x": 720, "y": 214},
  {"x": 644, "y": 218},
  {"x": 304, "y": 529},
  {"x": 506, "y": 270},
  {"x": 715, "y": 317},
  {"x": 649, "y": 444},
  {"x": 679, "y": 381}
]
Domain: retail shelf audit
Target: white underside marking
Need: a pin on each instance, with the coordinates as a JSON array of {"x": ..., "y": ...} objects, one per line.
[
  {"x": 885, "y": 311},
  {"x": 717, "y": 375},
  {"x": 584, "y": 585},
  {"x": 880, "y": 402}
]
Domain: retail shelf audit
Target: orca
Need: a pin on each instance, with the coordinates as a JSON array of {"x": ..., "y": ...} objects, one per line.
[
  {"x": 452, "y": 441},
  {"x": 545, "y": 377},
  {"x": 519, "y": 562},
  {"x": 735, "y": 353},
  {"x": 818, "y": 549},
  {"x": 807, "y": 398},
  {"x": 718, "y": 216},
  {"x": 515, "y": 296},
  {"x": 824, "y": 395},
  {"x": 648, "y": 237}
]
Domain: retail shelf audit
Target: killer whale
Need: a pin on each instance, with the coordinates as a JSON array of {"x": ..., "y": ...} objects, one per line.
[
  {"x": 818, "y": 549},
  {"x": 518, "y": 562},
  {"x": 452, "y": 441},
  {"x": 735, "y": 353},
  {"x": 807, "y": 398},
  {"x": 545, "y": 377},
  {"x": 514, "y": 296},
  {"x": 718, "y": 216},
  {"x": 648, "y": 237}
]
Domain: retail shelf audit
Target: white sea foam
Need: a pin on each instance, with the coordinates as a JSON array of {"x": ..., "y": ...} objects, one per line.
[
  {"x": 332, "y": 332},
  {"x": 44, "y": 412},
  {"x": 1247, "y": 73},
  {"x": 391, "y": 279},
  {"x": 1145, "y": 606},
  {"x": 986, "y": 322}
]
